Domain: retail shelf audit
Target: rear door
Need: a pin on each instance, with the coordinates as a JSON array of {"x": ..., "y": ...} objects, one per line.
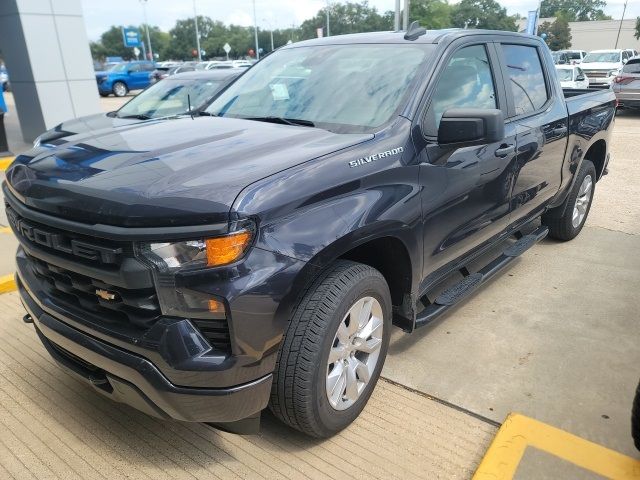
[
  {"x": 539, "y": 115},
  {"x": 466, "y": 191}
]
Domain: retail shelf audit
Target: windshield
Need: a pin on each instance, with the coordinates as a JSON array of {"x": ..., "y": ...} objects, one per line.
[
  {"x": 169, "y": 97},
  {"x": 632, "y": 66},
  {"x": 343, "y": 88},
  {"x": 565, "y": 75},
  {"x": 119, "y": 67},
  {"x": 573, "y": 55},
  {"x": 602, "y": 57}
]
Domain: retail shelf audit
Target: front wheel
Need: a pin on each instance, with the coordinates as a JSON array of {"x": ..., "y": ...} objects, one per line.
[
  {"x": 333, "y": 350},
  {"x": 635, "y": 419},
  {"x": 566, "y": 221},
  {"x": 119, "y": 89}
]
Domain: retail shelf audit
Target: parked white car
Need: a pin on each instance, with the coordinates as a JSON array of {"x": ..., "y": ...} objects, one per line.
[
  {"x": 575, "y": 56},
  {"x": 602, "y": 66},
  {"x": 572, "y": 76}
]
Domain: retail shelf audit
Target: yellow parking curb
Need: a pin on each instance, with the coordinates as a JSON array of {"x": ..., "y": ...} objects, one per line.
[
  {"x": 519, "y": 432},
  {"x": 5, "y": 162},
  {"x": 7, "y": 283}
]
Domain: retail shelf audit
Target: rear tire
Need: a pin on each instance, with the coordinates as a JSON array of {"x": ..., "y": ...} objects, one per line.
[
  {"x": 566, "y": 221},
  {"x": 322, "y": 327}
]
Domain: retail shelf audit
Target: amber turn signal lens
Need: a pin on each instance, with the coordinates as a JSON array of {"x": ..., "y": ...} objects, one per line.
[
  {"x": 216, "y": 307},
  {"x": 224, "y": 250}
]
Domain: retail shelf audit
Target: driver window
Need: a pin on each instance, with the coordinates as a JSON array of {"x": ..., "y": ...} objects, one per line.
[{"x": 466, "y": 82}]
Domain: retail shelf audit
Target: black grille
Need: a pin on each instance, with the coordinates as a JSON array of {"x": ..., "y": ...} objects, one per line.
[
  {"x": 78, "y": 247},
  {"x": 216, "y": 332},
  {"x": 138, "y": 307}
]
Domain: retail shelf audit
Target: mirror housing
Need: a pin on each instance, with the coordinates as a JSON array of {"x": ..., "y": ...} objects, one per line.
[
  {"x": 467, "y": 127},
  {"x": 580, "y": 78}
]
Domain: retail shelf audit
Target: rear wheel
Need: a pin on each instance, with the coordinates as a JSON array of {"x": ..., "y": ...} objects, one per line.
[
  {"x": 333, "y": 350},
  {"x": 566, "y": 221},
  {"x": 119, "y": 89}
]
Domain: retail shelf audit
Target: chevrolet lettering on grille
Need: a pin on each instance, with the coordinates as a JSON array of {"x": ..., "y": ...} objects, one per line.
[{"x": 60, "y": 241}]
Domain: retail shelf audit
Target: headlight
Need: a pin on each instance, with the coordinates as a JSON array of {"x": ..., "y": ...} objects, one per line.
[
  {"x": 170, "y": 258},
  {"x": 613, "y": 73}
]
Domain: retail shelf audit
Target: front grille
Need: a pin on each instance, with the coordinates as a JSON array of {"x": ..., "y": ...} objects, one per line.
[
  {"x": 596, "y": 73},
  {"x": 138, "y": 307},
  {"x": 68, "y": 245}
]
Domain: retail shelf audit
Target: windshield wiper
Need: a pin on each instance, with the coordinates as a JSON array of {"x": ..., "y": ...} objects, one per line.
[
  {"x": 207, "y": 114},
  {"x": 138, "y": 116},
  {"x": 284, "y": 121}
]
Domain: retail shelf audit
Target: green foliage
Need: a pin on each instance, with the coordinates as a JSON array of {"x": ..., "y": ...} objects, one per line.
[
  {"x": 485, "y": 14},
  {"x": 432, "y": 14},
  {"x": 558, "y": 33},
  {"x": 347, "y": 18},
  {"x": 575, "y": 10},
  {"x": 637, "y": 34}
]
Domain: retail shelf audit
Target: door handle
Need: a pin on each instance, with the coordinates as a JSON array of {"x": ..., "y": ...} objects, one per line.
[
  {"x": 560, "y": 131},
  {"x": 505, "y": 150}
]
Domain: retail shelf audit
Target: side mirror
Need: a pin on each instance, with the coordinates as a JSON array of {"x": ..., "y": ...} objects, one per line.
[
  {"x": 466, "y": 127},
  {"x": 624, "y": 61},
  {"x": 580, "y": 78}
]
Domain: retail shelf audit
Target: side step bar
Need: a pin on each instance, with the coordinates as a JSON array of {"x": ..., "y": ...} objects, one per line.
[{"x": 472, "y": 282}]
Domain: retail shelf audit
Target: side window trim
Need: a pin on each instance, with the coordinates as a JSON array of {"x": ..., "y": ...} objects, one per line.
[
  {"x": 496, "y": 76},
  {"x": 551, "y": 94}
]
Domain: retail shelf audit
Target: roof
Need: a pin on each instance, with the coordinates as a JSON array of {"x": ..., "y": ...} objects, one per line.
[
  {"x": 432, "y": 36},
  {"x": 208, "y": 74}
]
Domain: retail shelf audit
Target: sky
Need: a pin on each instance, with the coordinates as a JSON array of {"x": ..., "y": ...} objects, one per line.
[{"x": 100, "y": 14}]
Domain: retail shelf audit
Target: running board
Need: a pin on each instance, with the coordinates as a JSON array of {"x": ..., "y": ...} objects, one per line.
[{"x": 471, "y": 282}]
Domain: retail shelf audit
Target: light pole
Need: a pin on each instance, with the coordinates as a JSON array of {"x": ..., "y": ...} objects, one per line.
[
  {"x": 195, "y": 18},
  {"x": 405, "y": 18},
  {"x": 396, "y": 19},
  {"x": 270, "y": 25},
  {"x": 621, "y": 20},
  {"x": 328, "y": 30},
  {"x": 255, "y": 30},
  {"x": 146, "y": 24}
]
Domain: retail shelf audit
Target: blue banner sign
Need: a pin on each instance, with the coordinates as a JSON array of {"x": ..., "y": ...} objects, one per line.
[{"x": 131, "y": 37}]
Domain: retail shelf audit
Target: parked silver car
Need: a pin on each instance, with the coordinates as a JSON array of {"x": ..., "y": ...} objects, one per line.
[{"x": 627, "y": 85}]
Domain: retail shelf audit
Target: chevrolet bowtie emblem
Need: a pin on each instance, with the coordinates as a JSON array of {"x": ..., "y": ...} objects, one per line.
[{"x": 105, "y": 294}]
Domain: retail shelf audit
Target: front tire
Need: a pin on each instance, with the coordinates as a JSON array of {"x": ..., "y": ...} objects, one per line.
[
  {"x": 333, "y": 350},
  {"x": 566, "y": 221},
  {"x": 119, "y": 89}
]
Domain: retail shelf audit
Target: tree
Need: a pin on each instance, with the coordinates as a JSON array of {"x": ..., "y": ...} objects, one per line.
[
  {"x": 484, "y": 14},
  {"x": 432, "y": 14},
  {"x": 637, "y": 34},
  {"x": 347, "y": 18},
  {"x": 558, "y": 33},
  {"x": 575, "y": 10}
]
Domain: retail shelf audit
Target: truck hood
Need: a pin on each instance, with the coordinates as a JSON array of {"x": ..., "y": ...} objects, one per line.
[
  {"x": 177, "y": 172},
  {"x": 89, "y": 124},
  {"x": 600, "y": 66}
]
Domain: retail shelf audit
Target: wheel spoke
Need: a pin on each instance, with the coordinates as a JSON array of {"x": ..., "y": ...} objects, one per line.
[
  {"x": 371, "y": 329},
  {"x": 370, "y": 346},
  {"x": 354, "y": 316},
  {"x": 362, "y": 370},
  {"x": 335, "y": 383},
  {"x": 351, "y": 392},
  {"x": 365, "y": 313},
  {"x": 335, "y": 354},
  {"x": 343, "y": 334}
]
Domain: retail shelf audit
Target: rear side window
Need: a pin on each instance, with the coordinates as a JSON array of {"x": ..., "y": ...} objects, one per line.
[
  {"x": 633, "y": 66},
  {"x": 526, "y": 78},
  {"x": 466, "y": 82}
]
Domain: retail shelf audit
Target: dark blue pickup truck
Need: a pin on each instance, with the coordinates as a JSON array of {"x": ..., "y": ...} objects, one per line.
[{"x": 258, "y": 254}]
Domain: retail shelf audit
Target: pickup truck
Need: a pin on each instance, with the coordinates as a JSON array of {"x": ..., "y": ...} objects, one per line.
[{"x": 257, "y": 255}]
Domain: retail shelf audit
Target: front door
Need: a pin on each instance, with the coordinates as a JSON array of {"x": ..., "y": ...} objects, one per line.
[{"x": 466, "y": 191}]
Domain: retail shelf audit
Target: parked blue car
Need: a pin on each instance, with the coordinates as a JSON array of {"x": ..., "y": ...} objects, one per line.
[{"x": 123, "y": 77}]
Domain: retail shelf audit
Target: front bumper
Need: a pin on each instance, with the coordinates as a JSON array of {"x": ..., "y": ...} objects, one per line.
[{"x": 131, "y": 379}]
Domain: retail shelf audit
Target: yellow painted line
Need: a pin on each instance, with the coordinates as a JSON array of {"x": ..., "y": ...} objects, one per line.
[
  {"x": 5, "y": 162},
  {"x": 7, "y": 283},
  {"x": 6, "y": 230},
  {"x": 519, "y": 432}
]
